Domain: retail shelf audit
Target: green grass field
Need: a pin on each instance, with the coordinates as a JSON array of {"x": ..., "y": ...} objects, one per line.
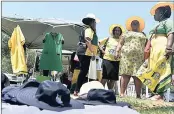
[{"x": 148, "y": 106}]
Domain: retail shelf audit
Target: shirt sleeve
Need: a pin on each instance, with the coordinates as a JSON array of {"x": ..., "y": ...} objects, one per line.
[
  {"x": 88, "y": 33},
  {"x": 169, "y": 27},
  {"x": 44, "y": 40}
]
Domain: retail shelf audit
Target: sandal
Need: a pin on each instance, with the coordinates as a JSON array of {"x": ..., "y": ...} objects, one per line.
[{"x": 156, "y": 98}]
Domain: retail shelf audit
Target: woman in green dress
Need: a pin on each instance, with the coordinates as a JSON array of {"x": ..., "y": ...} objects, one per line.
[
  {"x": 131, "y": 46},
  {"x": 156, "y": 72}
]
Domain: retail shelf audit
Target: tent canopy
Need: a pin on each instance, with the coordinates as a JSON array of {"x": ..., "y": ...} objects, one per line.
[{"x": 34, "y": 30}]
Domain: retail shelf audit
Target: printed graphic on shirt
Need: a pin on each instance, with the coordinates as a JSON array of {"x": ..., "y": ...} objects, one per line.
[{"x": 110, "y": 48}]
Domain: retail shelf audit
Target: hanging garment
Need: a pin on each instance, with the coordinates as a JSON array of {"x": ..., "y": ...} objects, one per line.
[
  {"x": 15, "y": 44},
  {"x": 51, "y": 58}
]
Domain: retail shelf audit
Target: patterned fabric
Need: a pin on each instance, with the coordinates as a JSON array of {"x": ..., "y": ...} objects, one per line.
[
  {"x": 132, "y": 53},
  {"x": 110, "y": 48},
  {"x": 157, "y": 76}
]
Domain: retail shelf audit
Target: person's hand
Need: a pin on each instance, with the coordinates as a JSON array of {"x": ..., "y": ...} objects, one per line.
[
  {"x": 145, "y": 64},
  {"x": 117, "y": 55},
  {"x": 93, "y": 57},
  {"x": 168, "y": 52},
  {"x": 173, "y": 79},
  {"x": 103, "y": 52}
]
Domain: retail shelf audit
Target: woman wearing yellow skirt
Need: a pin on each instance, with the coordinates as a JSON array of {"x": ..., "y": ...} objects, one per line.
[{"x": 155, "y": 73}]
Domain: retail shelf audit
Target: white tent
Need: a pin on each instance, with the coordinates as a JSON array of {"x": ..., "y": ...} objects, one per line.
[{"x": 34, "y": 30}]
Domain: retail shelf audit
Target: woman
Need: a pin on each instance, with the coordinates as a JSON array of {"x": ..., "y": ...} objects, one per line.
[
  {"x": 156, "y": 71},
  {"x": 131, "y": 46},
  {"x": 110, "y": 64},
  {"x": 87, "y": 48}
]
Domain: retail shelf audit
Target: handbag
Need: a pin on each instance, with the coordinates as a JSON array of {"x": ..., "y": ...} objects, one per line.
[
  {"x": 92, "y": 74},
  {"x": 103, "y": 48},
  {"x": 76, "y": 58}
]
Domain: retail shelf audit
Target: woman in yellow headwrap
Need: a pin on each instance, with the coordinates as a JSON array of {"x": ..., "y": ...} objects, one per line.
[
  {"x": 131, "y": 46},
  {"x": 156, "y": 71}
]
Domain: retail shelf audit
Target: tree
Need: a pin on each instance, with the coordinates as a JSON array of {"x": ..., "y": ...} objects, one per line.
[{"x": 5, "y": 54}]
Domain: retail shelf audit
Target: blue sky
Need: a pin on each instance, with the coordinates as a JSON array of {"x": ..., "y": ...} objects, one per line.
[{"x": 108, "y": 12}]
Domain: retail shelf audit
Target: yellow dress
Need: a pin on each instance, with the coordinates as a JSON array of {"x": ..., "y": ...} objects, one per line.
[
  {"x": 132, "y": 53},
  {"x": 15, "y": 44},
  {"x": 157, "y": 76}
]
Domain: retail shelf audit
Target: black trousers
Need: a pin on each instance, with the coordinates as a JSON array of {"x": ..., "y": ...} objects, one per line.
[{"x": 84, "y": 68}]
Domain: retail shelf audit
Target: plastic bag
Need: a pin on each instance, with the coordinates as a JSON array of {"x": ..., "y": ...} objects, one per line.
[{"x": 92, "y": 74}]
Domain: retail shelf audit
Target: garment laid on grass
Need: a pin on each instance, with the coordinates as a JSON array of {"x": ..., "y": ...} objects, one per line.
[
  {"x": 157, "y": 76},
  {"x": 132, "y": 53},
  {"x": 51, "y": 58},
  {"x": 101, "y": 109},
  {"x": 42, "y": 95}
]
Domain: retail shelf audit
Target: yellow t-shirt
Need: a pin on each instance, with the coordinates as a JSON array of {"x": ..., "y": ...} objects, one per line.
[
  {"x": 90, "y": 34},
  {"x": 110, "y": 48}
]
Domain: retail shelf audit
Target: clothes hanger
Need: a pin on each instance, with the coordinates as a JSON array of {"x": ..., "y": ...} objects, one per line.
[{"x": 53, "y": 33}]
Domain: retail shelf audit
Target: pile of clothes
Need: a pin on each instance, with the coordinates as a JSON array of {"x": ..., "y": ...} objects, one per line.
[{"x": 55, "y": 97}]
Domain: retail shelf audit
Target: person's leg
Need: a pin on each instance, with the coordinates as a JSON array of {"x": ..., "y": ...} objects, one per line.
[
  {"x": 84, "y": 62},
  {"x": 111, "y": 84},
  {"x": 113, "y": 73},
  {"x": 138, "y": 86},
  {"x": 45, "y": 72},
  {"x": 104, "y": 74},
  {"x": 123, "y": 85},
  {"x": 103, "y": 81},
  {"x": 157, "y": 97}
]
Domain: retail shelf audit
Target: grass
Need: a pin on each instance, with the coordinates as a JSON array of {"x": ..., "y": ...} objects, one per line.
[{"x": 148, "y": 106}]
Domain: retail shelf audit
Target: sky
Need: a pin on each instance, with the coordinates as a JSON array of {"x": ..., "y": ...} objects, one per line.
[{"x": 108, "y": 12}]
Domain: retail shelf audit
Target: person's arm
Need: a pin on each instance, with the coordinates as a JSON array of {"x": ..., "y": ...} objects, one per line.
[
  {"x": 119, "y": 46},
  {"x": 170, "y": 36},
  {"x": 100, "y": 44},
  {"x": 88, "y": 39},
  {"x": 170, "y": 41}
]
